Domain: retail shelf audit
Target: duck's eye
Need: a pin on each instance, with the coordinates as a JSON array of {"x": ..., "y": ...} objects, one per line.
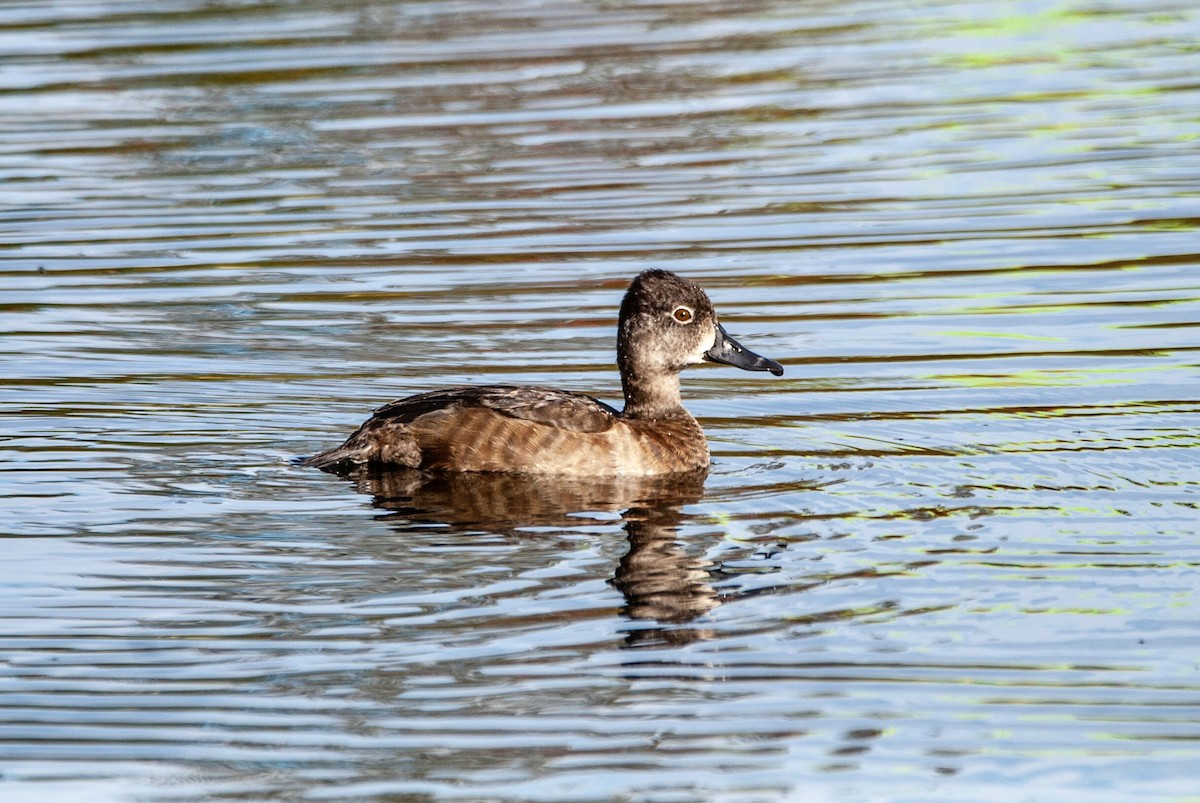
[{"x": 682, "y": 314}]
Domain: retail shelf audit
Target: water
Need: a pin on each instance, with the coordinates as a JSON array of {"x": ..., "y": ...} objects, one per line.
[{"x": 950, "y": 555}]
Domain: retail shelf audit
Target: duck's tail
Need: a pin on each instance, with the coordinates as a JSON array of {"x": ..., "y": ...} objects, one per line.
[
  {"x": 373, "y": 443},
  {"x": 342, "y": 456}
]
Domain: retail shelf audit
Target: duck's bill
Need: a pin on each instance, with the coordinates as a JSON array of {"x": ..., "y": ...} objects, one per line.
[{"x": 729, "y": 351}]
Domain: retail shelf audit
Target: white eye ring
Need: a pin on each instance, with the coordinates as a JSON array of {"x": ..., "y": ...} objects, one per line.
[{"x": 683, "y": 314}]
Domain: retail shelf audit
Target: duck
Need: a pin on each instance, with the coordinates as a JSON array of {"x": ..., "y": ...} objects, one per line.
[{"x": 666, "y": 324}]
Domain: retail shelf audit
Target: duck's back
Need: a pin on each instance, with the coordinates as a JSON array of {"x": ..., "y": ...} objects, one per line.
[
  {"x": 518, "y": 429},
  {"x": 561, "y": 409}
]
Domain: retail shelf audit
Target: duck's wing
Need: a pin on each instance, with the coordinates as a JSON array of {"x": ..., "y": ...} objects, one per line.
[{"x": 574, "y": 412}]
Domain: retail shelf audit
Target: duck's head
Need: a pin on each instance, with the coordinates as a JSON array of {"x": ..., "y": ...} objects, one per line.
[{"x": 667, "y": 323}]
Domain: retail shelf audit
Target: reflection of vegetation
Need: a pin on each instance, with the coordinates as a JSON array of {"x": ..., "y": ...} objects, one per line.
[
  {"x": 1047, "y": 35},
  {"x": 1049, "y": 377},
  {"x": 1038, "y": 23},
  {"x": 1000, "y": 335}
]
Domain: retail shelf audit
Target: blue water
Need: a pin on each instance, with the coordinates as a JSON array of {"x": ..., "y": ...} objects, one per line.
[{"x": 950, "y": 555}]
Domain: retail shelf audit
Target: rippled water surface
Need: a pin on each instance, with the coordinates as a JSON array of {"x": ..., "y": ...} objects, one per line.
[{"x": 952, "y": 554}]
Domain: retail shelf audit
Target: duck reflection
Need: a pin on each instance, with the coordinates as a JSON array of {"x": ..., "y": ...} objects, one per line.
[
  {"x": 664, "y": 587},
  {"x": 661, "y": 583}
]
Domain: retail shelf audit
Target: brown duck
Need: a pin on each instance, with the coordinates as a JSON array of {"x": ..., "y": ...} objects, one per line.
[{"x": 666, "y": 324}]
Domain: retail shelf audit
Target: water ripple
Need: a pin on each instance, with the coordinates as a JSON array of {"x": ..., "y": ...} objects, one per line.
[{"x": 950, "y": 554}]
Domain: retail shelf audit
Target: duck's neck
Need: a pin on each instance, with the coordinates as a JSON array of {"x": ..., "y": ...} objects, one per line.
[{"x": 650, "y": 394}]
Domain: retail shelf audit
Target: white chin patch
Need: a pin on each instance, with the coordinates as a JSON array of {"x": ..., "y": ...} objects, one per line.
[{"x": 705, "y": 346}]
